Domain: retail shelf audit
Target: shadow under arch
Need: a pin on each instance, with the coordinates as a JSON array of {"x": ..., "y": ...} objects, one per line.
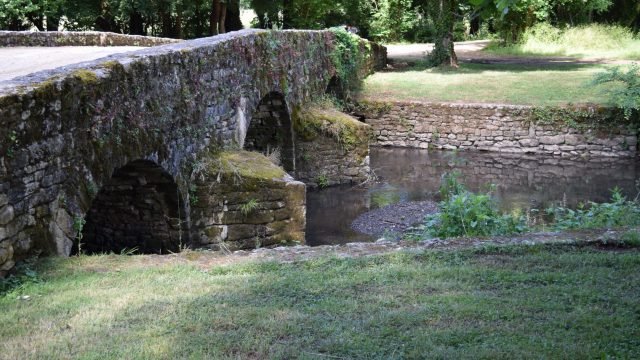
[
  {"x": 139, "y": 207},
  {"x": 335, "y": 88},
  {"x": 271, "y": 131}
]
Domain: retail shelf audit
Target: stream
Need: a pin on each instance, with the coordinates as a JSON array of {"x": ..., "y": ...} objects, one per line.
[{"x": 522, "y": 182}]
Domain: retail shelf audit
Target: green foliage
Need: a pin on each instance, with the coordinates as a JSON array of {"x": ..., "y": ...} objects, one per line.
[
  {"x": 618, "y": 212},
  {"x": 322, "y": 181},
  {"x": 464, "y": 213},
  {"x": 626, "y": 97},
  {"x": 346, "y": 57},
  {"x": 394, "y": 20},
  {"x": 22, "y": 274},
  {"x": 78, "y": 225},
  {"x": 193, "y": 195},
  {"x": 592, "y": 40},
  {"x": 12, "y": 143},
  {"x": 249, "y": 207}
]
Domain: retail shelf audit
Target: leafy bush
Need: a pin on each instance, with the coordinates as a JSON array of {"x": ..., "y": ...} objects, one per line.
[
  {"x": 626, "y": 97},
  {"x": 464, "y": 213},
  {"x": 618, "y": 212}
]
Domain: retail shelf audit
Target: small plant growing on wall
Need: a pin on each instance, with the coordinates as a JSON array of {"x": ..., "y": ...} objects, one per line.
[
  {"x": 13, "y": 143},
  {"x": 193, "y": 197},
  {"x": 249, "y": 207},
  {"x": 78, "y": 226},
  {"x": 322, "y": 180}
]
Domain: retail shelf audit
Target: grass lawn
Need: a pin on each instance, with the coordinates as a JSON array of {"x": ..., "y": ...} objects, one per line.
[
  {"x": 508, "y": 302},
  {"x": 630, "y": 51},
  {"x": 528, "y": 84}
]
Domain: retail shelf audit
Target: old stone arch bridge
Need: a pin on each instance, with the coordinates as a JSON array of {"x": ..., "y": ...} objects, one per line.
[{"x": 144, "y": 149}]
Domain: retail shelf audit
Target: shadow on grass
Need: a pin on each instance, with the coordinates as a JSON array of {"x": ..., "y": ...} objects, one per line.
[
  {"x": 515, "y": 303},
  {"x": 479, "y": 67}
]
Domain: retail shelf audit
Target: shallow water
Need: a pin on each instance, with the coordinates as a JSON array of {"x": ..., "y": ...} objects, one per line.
[{"x": 522, "y": 182}]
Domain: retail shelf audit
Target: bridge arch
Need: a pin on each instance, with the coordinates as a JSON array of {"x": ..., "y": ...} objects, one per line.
[
  {"x": 335, "y": 87},
  {"x": 270, "y": 130},
  {"x": 139, "y": 207}
]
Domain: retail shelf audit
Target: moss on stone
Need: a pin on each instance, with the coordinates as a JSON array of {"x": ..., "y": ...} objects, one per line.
[
  {"x": 246, "y": 165},
  {"x": 86, "y": 76},
  {"x": 311, "y": 121}
]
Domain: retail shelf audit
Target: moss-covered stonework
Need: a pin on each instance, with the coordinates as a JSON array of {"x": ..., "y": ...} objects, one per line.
[
  {"x": 64, "y": 132},
  {"x": 567, "y": 132},
  {"x": 331, "y": 147},
  {"x": 78, "y": 38},
  {"x": 245, "y": 201}
]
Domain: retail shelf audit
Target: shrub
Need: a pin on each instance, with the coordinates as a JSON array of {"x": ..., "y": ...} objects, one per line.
[
  {"x": 464, "y": 213},
  {"x": 618, "y": 212},
  {"x": 627, "y": 96}
]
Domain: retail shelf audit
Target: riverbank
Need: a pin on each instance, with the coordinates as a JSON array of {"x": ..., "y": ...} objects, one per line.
[{"x": 541, "y": 295}]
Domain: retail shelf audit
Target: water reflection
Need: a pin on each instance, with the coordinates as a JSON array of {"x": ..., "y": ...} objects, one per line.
[{"x": 522, "y": 182}]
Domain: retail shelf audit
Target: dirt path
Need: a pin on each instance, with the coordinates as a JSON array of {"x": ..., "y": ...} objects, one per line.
[
  {"x": 18, "y": 61},
  {"x": 208, "y": 259},
  {"x": 471, "y": 52}
]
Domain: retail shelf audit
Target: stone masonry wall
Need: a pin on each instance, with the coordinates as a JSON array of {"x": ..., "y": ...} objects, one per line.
[
  {"x": 325, "y": 159},
  {"x": 64, "y": 132},
  {"x": 500, "y": 128},
  {"x": 331, "y": 147},
  {"x": 248, "y": 204},
  {"x": 78, "y": 38}
]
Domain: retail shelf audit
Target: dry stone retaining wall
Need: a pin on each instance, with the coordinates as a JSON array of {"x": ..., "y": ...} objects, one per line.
[{"x": 500, "y": 128}]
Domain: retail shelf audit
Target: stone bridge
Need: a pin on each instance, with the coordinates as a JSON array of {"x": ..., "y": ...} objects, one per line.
[{"x": 145, "y": 149}]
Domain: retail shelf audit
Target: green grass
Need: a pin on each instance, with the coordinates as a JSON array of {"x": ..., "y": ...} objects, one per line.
[
  {"x": 527, "y": 84},
  {"x": 591, "y": 41},
  {"x": 508, "y": 302}
]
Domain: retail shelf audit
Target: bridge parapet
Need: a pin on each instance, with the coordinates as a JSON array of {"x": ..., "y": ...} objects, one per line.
[{"x": 78, "y": 38}]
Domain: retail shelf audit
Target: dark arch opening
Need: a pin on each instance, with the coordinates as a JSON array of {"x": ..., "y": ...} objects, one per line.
[
  {"x": 270, "y": 130},
  {"x": 335, "y": 88},
  {"x": 138, "y": 208}
]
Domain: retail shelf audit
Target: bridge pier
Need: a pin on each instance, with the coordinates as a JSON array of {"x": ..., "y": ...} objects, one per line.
[{"x": 242, "y": 201}]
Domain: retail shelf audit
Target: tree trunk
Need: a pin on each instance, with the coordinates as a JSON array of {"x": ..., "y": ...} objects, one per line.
[
  {"x": 443, "y": 53},
  {"x": 136, "y": 24},
  {"x": 287, "y": 7},
  {"x": 232, "y": 21},
  {"x": 214, "y": 19},
  {"x": 223, "y": 17}
]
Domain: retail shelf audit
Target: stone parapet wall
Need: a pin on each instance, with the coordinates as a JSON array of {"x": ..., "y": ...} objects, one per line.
[
  {"x": 489, "y": 127},
  {"x": 78, "y": 38}
]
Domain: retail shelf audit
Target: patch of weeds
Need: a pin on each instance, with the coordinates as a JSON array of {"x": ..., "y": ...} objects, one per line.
[
  {"x": 78, "y": 225},
  {"x": 192, "y": 195},
  {"x": 322, "y": 181},
  {"x": 92, "y": 189},
  {"x": 464, "y": 213},
  {"x": 630, "y": 238},
  {"x": 618, "y": 212},
  {"x": 249, "y": 207},
  {"x": 13, "y": 141},
  {"x": 22, "y": 274}
]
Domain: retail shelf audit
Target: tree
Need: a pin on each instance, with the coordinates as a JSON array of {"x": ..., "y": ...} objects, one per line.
[{"x": 443, "y": 53}]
